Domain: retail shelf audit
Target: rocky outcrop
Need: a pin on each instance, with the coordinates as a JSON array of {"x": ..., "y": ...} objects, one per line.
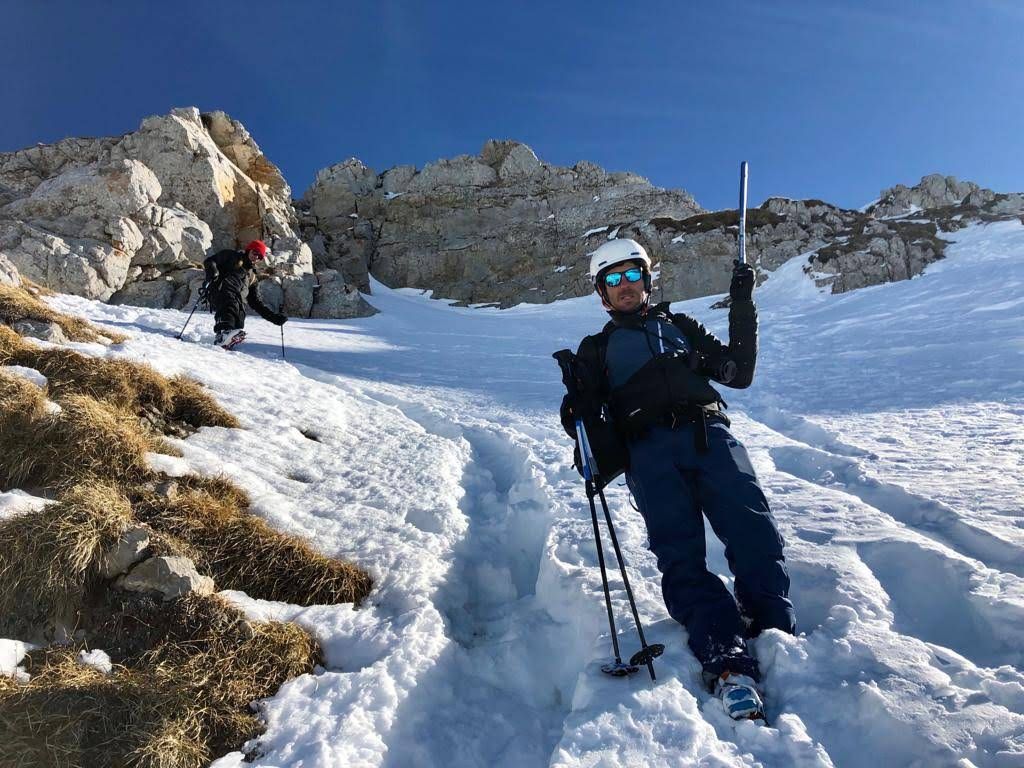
[
  {"x": 907, "y": 229},
  {"x": 169, "y": 577},
  {"x": 9, "y": 273},
  {"x": 77, "y": 232},
  {"x": 499, "y": 227},
  {"x": 934, "y": 191},
  {"x": 126, "y": 552},
  {"x": 129, "y": 219},
  {"x": 503, "y": 227},
  {"x": 38, "y": 329}
]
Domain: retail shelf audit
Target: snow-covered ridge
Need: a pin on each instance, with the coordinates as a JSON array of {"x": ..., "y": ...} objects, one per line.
[{"x": 885, "y": 425}]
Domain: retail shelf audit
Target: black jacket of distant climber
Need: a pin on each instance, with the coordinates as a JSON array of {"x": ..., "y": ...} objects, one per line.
[{"x": 232, "y": 280}]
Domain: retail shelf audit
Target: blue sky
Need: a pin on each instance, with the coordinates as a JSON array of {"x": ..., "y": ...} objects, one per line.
[{"x": 825, "y": 99}]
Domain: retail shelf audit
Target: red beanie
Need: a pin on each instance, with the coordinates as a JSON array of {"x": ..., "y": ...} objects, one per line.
[{"x": 258, "y": 248}]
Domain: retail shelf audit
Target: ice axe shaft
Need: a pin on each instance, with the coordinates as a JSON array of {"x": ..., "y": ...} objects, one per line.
[{"x": 741, "y": 255}]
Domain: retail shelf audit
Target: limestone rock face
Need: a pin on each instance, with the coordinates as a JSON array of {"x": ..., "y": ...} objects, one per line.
[
  {"x": 83, "y": 266},
  {"x": 8, "y": 273},
  {"x": 933, "y": 191},
  {"x": 170, "y": 577},
  {"x": 128, "y": 550},
  {"x": 336, "y": 299},
  {"x": 130, "y": 218},
  {"x": 503, "y": 227},
  {"x": 321, "y": 295},
  {"x": 500, "y": 227},
  {"x": 24, "y": 170},
  {"x": 523, "y": 232},
  {"x": 37, "y": 329},
  {"x": 906, "y": 230},
  {"x": 172, "y": 237},
  {"x": 75, "y": 231}
]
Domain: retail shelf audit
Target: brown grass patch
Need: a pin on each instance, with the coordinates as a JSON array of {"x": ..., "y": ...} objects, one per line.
[
  {"x": 85, "y": 441},
  {"x": 73, "y": 716},
  {"x": 21, "y": 304},
  {"x": 50, "y": 559},
  {"x": 186, "y": 670},
  {"x": 192, "y": 404},
  {"x": 241, "y": 551},
  {"x": 19, "y": 397},
  {"x": 135, "y": 387},
  {"x": 10, "y": 343},
  {"x": 178, "y": 697}
]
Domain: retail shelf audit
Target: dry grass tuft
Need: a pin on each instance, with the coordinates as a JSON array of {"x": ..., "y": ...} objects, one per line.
[
  {"x": 186, "y": 671},
  {"x": 192, "y": 404},
  {"x": 179, "y": 696},
  {"x": 243, "y": 552},
  {"x": 19, "y": 397},
  {"x": 84, "y": 441},
  {"x": 72, "y": 716},
  {"x": 21, "y": 304},
  {"x": 10, "y": 344},
  {"x": 50, "y": 558},
  {"x": 135, "y": 387},
  {"x": 119, "y": 382}
]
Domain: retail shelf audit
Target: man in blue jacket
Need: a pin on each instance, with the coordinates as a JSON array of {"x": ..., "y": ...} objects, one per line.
[{"x": 651, "y": 371}]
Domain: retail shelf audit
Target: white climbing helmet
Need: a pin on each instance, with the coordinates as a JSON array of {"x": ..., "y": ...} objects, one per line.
[{"x": 615, "y": 252}]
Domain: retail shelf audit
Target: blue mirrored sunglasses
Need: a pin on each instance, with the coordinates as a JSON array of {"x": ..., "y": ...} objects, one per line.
[{"x": 634, "y": 274}]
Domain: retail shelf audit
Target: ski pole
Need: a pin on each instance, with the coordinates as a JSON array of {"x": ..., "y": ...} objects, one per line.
[
  {"x": 741, "y": 257},
  {"x": 647, "y": 653},
  {"x": 200, "y": 298},
  {"x": 194, "y": 308},
  {"x": 591, "y": 476},
  {"x": 618, "y": 668},
  {"x": 282, "y": 343}
]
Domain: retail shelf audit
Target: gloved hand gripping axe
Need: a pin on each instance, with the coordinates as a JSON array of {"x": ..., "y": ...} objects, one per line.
[{"x": 592, "y": 478}]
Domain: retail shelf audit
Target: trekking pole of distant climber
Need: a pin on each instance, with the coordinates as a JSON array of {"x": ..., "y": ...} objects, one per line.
[
  {"x": 591, "y": 476},
  {"x": 282, "y": 342},
  {"x": 741, "y": 256},
  {"x": 199, "y": 300}
]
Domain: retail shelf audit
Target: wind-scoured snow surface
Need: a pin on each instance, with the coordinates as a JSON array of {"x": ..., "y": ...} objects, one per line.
[{"x": 887, "y": 428}]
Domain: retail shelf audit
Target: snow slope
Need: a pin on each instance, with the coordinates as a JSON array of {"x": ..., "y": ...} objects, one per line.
[{"x": 885, "y": 425}]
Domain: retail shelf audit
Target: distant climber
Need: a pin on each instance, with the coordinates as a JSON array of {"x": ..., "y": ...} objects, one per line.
[{"x": 230, "y": 276}]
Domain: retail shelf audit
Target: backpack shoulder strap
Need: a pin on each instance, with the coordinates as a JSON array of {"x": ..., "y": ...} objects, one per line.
[{"x": 593, "y": 353}]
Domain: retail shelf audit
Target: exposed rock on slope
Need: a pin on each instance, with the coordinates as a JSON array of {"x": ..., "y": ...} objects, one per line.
[
  {"x": 503, "y": 227},
  {"x": 499, "y": 227},
  {"x": 129, "y": 219},
  {"x": 8, "y": 273}
]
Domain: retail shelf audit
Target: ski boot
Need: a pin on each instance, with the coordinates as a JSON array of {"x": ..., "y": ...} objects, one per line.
[
  {"x": 230, "y": 338},
  {"x": 739, "y": 696}
]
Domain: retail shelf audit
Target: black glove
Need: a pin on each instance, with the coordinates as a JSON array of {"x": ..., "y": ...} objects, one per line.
[
  {"x": 742, "y": 286},
  {"x": 567, "y": 417},
  {"x": 279, "y": 319}
]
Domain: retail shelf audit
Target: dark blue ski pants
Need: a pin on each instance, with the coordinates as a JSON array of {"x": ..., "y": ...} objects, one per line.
[{"x": 674, "y": 483}]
